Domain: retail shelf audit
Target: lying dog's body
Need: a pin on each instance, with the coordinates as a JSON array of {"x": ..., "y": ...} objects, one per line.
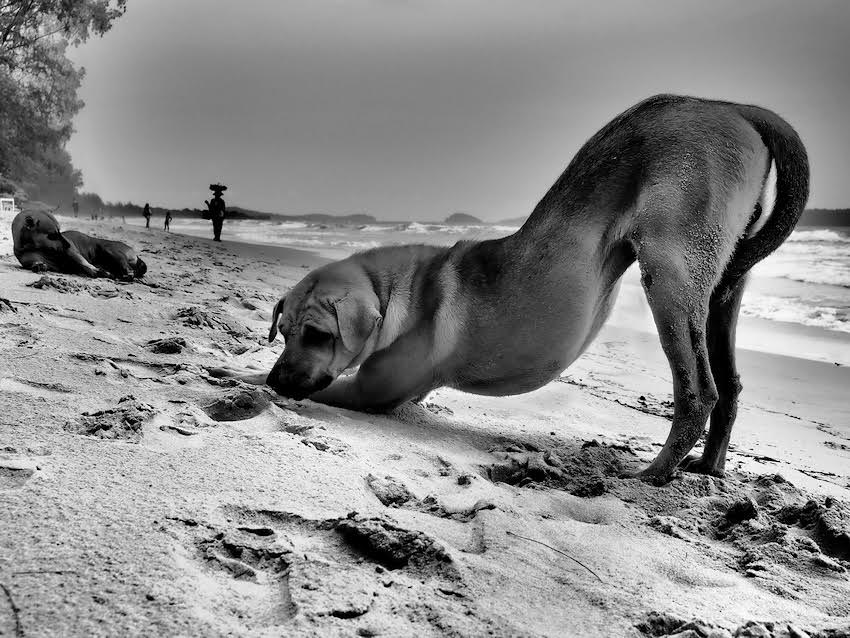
[
  {"x": 39, "y": 245},
  {"x": 684, "y": 186}
]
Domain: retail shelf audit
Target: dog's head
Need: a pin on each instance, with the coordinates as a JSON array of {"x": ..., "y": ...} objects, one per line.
[
  {"x": 329, "y": 321},
  {"x": 40, "y": 230}
]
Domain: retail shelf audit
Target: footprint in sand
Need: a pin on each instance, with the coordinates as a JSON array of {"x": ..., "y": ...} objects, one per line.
[
  {"x": 125, "y": 367},
  {"x": 786, "y": 542},
  {"x": 273, "y": 568},
  {"x": 393, "y": 493},
  {"x": 15, "y": 471},
  {"x": 69, "y": 322},
  {"x": 45, "y": 390},
  {"x": 243, "y": 572}
]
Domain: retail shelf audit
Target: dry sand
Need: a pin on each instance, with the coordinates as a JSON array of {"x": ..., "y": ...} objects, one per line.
[{"x": 141, "y": 495}]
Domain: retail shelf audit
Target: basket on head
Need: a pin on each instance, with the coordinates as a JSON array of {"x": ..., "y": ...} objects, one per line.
[{"x": 218, "y": 188}]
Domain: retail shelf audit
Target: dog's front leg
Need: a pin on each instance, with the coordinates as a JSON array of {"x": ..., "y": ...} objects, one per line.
[
  {"x": 388, "y": 378},
  {"x": 344, "y": 392},
  {"x": 82, "y": 263}
]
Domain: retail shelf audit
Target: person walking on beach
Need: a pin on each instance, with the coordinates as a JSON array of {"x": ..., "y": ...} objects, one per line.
[
  {"x": 216, "y": 209},
  {"x": 75, "y": 205},
  {"x": 168, "y": 220},
  {"x": 147, "y": 213}
]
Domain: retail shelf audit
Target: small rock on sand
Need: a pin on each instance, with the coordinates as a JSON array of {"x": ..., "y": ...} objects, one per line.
[
  {"x": 123, "y": 422},
  {"x": 56, "y": 283},
  {"x": 389, "y": 491},
  {"x": 394, "y": 547},
  {"x": 742, "y": 510},
  {"x": 168, "y": 345}
]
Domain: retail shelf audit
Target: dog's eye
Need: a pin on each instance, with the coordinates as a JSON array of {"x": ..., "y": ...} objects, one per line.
[{"x": 314, "y": 337}]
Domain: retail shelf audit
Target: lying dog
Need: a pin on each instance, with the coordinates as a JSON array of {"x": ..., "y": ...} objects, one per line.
[
  {"x": 39, "y": 245},
  {"x": 696, "y": 191}
]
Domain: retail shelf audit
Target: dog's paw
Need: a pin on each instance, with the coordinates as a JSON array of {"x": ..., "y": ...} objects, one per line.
[
  {"x": 39, "y": 267},
  {"x": 698, "y": 465},
  {"x": 648, "y": 476}
]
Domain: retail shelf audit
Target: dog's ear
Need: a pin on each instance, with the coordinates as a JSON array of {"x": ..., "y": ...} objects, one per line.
[
  {"x": 357, "y": 317},
  {"x": 278, "y": 308}
]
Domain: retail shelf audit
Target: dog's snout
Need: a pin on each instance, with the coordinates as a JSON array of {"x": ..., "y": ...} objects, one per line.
[{"x": 296, "y": 384}]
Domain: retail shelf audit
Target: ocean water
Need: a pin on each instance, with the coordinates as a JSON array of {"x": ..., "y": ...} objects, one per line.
[{"x": 806, "y": 281}]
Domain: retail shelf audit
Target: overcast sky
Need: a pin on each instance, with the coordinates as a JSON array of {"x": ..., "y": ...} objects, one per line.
[{"x": 415, "y": 109}]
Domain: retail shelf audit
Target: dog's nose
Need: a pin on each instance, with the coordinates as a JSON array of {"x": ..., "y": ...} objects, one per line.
[
  {"x": 287, "y": 390},
  {"x": 285, "y": 385},
  {"x": 324, "y": 381},
  {"x": 296, "y": 385},
  {"x": 275, "y": 381}
]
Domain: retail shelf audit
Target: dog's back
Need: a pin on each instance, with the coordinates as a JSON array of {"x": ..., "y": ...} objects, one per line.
[{"x": 116, "y": 257}]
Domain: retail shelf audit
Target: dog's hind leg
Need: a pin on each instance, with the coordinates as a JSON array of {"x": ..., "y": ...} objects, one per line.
[
  {"x": 678, "y": 283},
  {"x": 722, "y": 322}
]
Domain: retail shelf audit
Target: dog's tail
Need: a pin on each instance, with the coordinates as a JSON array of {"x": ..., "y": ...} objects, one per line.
[
  {"x": 140, "y": 267},
  {"x": 791, "y": 162}
]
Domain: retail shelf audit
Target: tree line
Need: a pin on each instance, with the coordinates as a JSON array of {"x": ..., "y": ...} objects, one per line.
[{"x": 38, "y": 91}]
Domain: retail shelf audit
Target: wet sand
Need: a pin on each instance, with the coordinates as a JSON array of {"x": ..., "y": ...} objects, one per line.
[{"x": 142, "y": 495}]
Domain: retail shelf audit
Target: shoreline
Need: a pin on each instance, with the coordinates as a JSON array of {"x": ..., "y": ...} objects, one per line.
[{"x": 754, "y": 333}]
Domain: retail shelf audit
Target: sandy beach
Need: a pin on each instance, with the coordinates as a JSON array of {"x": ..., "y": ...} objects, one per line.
[{"x": 143, "y": 495}]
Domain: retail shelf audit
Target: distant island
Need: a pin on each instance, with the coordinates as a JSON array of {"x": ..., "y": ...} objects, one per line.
[
  {"x": 826, "y": 217},
  {"x": 463, "y": 218}
]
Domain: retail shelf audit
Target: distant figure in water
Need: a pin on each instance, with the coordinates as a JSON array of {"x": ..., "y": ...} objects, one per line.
[
  {"x": 216, "y": 209},
  {"x": 75, "y": 205},
  {"x": 147, "y": 213},
  {"x": 168, "y": 220}
]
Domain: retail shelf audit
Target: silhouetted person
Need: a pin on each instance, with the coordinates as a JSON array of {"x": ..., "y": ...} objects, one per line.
[
  {"x": 147, "y": 213},
  {"x": 217, "y": 208},
  {"x": 75, "y": 205},
  {"x": 168, "y": 220}
]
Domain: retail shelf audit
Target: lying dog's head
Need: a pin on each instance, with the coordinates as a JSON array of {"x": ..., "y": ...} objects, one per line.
[
  {"x": 329, "y": 321},
  {"x": 39, "y": 230}
]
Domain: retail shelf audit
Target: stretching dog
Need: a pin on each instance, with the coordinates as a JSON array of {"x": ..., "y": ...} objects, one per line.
[{"x": 696, "y": 191}]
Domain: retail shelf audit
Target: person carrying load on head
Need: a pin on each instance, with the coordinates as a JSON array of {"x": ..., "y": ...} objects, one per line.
[{"x": 217, "y": 209}]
